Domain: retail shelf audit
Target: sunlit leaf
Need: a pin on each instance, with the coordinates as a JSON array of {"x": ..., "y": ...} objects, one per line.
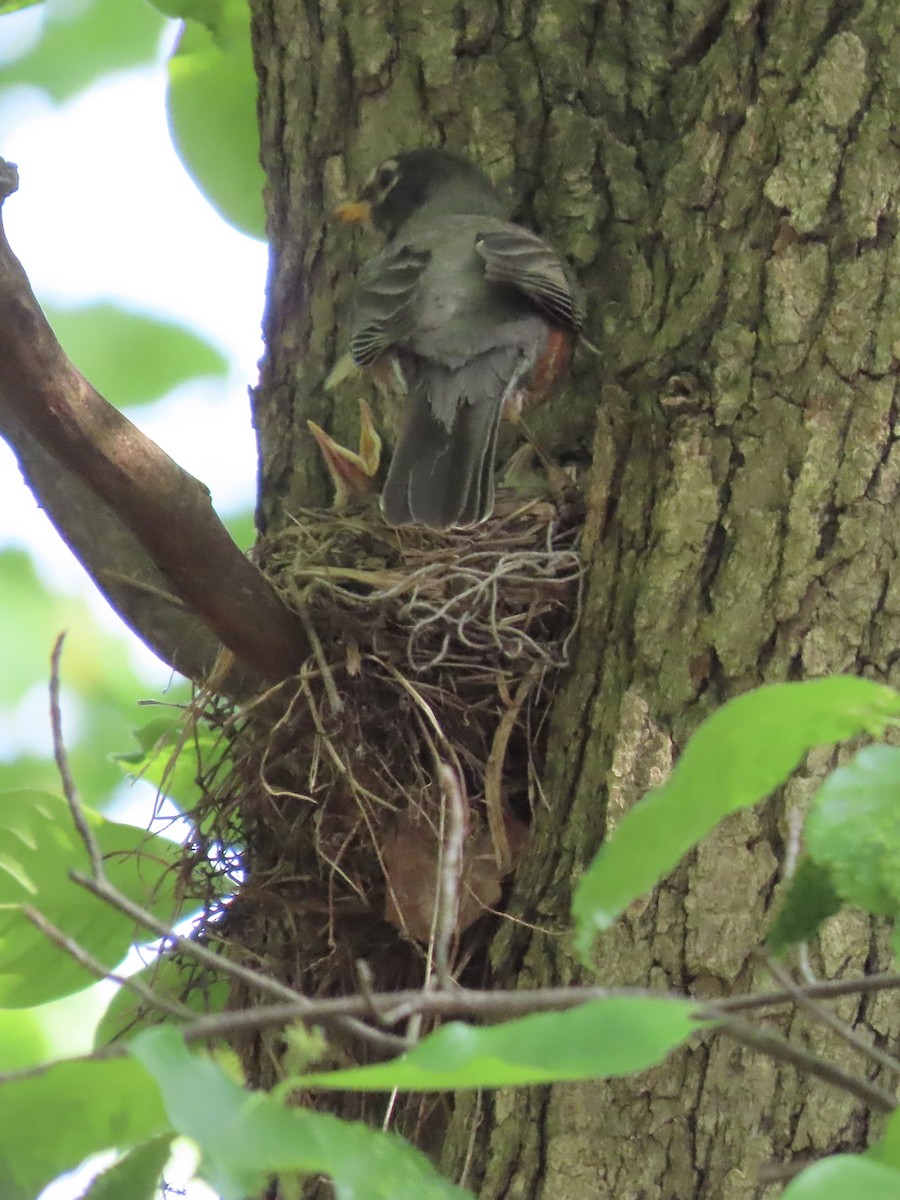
[
  {"x": 810, "y": 898},
  {"x": 50, "y": 1123},
  {"x": 38, "y": 847},
  {"x": 23, "y": 1042},
  {"x": 212, "y": 112},
  {"x": 245, "y": 1137},
  {"x": 737, "y": 757},
  {"x": 136, "y": 1176},
  {"x": 83, "y": 41},
  {"x": 854, "y": 828},
  {"x": 845, "y": 1177},
  {"x": 130, "y": 357}
]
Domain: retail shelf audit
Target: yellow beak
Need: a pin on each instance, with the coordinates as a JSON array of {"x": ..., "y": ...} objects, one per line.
[{"x": 354, "y": 212}]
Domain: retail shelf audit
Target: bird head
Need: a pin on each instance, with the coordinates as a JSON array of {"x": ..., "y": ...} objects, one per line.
[{"x": 413, "y": 181}]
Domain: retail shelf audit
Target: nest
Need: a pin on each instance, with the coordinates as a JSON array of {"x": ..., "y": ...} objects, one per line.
[{"x": 422, "y": 709}]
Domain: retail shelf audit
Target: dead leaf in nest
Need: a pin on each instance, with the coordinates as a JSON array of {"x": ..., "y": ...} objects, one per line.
[{"x": 410, "y": 857}]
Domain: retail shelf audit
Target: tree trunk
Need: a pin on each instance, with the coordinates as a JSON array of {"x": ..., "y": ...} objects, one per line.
[{"x": 723, "y": 177}]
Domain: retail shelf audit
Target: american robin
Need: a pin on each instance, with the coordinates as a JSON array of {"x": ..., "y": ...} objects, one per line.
[{"x": 472, "y": 313}]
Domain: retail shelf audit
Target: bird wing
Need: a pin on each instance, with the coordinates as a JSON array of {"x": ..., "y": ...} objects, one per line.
[
  {"x": 517, "y": 257},
  {"x": 385, "y": 305}
]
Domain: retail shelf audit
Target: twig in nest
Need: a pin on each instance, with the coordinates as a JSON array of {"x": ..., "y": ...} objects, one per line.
[
  {"x": 331, "y": 691},
  {"x": 99, "y": 885},
  {"x": 493, "y": 771},
  {"x": 453, "y": 831}
]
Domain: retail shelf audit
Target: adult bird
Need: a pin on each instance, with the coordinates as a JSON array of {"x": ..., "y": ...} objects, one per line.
[{"x": 472, "y": 314}]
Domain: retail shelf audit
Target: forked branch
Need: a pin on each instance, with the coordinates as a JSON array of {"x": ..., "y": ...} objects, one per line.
[{"x": 143, "y": 528}]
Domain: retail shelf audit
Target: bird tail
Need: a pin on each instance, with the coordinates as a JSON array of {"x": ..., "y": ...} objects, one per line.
[{"x": 442, "y": 472}]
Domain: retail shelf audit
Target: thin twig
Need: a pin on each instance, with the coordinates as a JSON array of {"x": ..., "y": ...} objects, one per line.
[
  {"x": 827, "y": 1017},
  {"x": 468, "y": 1003},
  {"x": 775, "y": 1172},
  {"x": 824, "y": 990},
  {"x": 453, "y": 829},
  {"x": 62, "y": 765},
  {"x": 187, "y": 946},
  {"x": 779, "y": 1048}
]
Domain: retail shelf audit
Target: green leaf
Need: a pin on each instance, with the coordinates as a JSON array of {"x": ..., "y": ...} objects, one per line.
[
  {"x": 97, "y": 666},
  {"x": 600, "y": 1039},
  {"x": 23, "y": 1042},
  {"x": 810, "y": 898},
  {"x": 207, "y": 12},
  {"x": 854, "y": 828},
  {"x": 887, "y": 1150},
  {"x": 171, "y": 978},
  {"x": 845, "y": 1177},
  {"x": 245, "y": 1137},
  {"x": 174, "y": 762},
  {"x": 129, "y": 357},
  {"x": 737, "y": 757},
  {"x": 212, "y": 113},
  {"x": 84, "y": 41},
  {"x": 50, "y": 1123},
  {"x": 38, "y": 847},
  {"x": 136, "y": 1176},
  {"x": 9, "y": 6}
]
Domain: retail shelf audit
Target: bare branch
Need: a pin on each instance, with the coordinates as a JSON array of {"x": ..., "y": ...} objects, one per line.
[
  {"x": 46, "y": 405},
  {"x": 827, "y": 989},
  {"x": 827, "y": 1017},
  {"x": 779, "y": 1048}
]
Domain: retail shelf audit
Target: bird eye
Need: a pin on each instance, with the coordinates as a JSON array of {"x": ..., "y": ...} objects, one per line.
[{"x": 386, "y": 176}]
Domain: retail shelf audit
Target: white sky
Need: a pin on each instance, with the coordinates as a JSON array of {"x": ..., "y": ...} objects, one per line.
[{"x": 105, "y": 210}]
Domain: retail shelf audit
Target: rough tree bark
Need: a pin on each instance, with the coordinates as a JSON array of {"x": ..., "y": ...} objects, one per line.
[{"x": 723, "y": 176}]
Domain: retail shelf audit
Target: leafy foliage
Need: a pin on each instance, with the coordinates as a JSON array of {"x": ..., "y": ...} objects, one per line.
[
  {"x": 854, "y": 828},
  {"x": 49, "y": 1123},
  {"x": 172, "y": 761},
  {"x": 40, "y": 847},
  {"x": 80, "y": 42},
  {"x": 212, "y": 107},
  {"x": 10, "y": 6},
  {"x": 170, "y": 978},
  {"x": 737, "y": 757},
  {"x": 843, "y": 1176},
  {"x": 809, "y": 900},
  {"x": 245, "y": 1137},
  {"x": 130, "y": 357},
  {"x": 135, "y": 1175}
]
